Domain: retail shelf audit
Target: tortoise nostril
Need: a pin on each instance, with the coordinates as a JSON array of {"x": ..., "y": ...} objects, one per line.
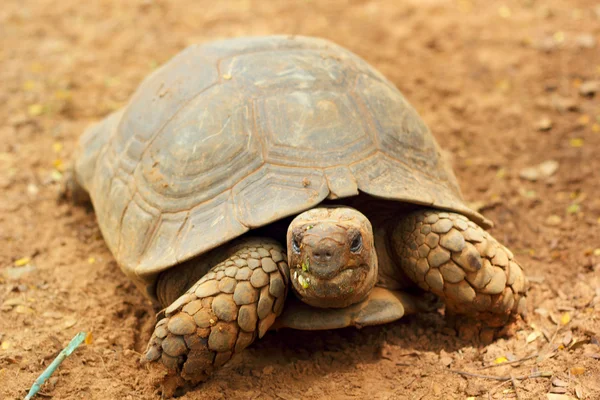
[{"x": 321, "y": 255}]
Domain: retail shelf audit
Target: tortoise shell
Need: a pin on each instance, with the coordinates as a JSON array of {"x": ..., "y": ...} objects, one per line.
[{"x": 236, "y": 134}]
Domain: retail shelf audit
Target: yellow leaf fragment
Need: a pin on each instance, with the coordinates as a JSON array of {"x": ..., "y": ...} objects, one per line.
[
  {"x": 565, "y": 318},
  {"x": 111, "y": 81},
  {"x": 57, "y": 147},
  {"x": 22, "y": 261},
  {"x": 583, "y": 120},
  {"x": 503, "y": 85},
  {"x": 36, "y": 67},
  {"x": 227, "y": 77},
  {"x": 574, "y": 208},
  {"x": 62, "y": 94},
  {"x": 500, "y": 360},
  {"x": 29, "y": 85},
  {"x": 576, "y": 142},
  {"x": 577, "y": 371},
  {"x": 59, "y": 165},
  {"x": 596, "y": 128},
  {"x": 559, "y": 37},
  {"x": 5, "y": 345},
  {"x": 504, "y": 12},
  {"x": 91, "y": 260},
  {"x": 89, "y": 338},
  {"x": 36, "y": 110}
]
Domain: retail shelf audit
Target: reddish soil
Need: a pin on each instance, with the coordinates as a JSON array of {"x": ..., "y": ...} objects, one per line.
[{"x": 501, "y": 85}]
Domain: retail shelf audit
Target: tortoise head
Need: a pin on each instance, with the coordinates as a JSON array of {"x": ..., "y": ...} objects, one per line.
[{"x": 332, "y": 257}]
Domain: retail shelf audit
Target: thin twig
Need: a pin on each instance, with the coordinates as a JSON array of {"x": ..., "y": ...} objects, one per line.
[
  {"x": 399, "y": 364},
  {"x": 510, "y": 362},
  {"x": 66, "y": 352},
  {"x": 514, "y": 383},
  {"x": 548, "y": 349},
  {"x": 541, "y": 374}
]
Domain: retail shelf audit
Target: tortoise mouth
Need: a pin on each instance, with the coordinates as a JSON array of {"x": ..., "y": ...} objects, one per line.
[{"x": 337, "y": 291}]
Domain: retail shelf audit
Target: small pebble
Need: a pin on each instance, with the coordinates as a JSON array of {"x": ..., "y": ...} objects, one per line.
[
  {"x": 589, "y": 88},
  {"x": 544, "y": 124},
  {"x": 553, "y": 220}
]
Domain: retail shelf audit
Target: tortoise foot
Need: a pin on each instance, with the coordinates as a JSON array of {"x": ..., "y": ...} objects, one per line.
[
  {"x": 483, "y": 286},
  {"x": 482, "y": 330},
  {"x": 72, "y": 191},
  {"x": 220, "y": 315}
]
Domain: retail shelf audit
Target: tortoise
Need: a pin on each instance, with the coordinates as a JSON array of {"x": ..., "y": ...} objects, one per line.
[{"x": 246, "y": 167}]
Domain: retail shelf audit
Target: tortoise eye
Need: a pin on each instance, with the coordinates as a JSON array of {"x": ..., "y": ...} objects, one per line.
[
  {"x": 357, "y": 243},
  {"x": 295, "y": 245}
]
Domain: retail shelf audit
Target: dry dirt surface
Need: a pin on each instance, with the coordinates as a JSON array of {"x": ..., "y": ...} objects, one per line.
[{"x": 509, "y": 89}]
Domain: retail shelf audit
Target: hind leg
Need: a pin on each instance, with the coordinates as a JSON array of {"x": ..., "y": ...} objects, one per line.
[
  {"x": 220, "y": 314},
  {"x": 484, "y": 288}
]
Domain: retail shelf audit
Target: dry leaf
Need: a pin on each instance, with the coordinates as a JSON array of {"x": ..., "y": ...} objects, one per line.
[
  {"x": 15, "y": 301},
  {"x": 69, "y": 323},
  {"x": 542, "y": 311},
  {"x": 532, "y": 336},
  {"x": 556, "y": 396},
  {"x": 561, "y": 390},
  {"x": 577, "y": 343},
  {"x": 579, "y": 392},
  {"x": 21, "y": 309},
  {"x": 540, "y": 171},
  {"x": 559, "y": 382}
]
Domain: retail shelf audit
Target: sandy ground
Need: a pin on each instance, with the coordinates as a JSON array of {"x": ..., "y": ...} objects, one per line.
[{"x": 505, "y": 86}]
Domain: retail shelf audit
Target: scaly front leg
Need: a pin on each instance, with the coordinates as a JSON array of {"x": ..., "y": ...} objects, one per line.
[
  {"x": 483, "y": 286},
  {"x": 221, "y": 314}
]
